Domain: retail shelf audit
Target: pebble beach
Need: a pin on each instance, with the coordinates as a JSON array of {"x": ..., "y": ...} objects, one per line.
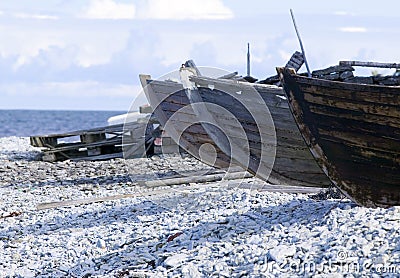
[{"x": 215, "y": 229}]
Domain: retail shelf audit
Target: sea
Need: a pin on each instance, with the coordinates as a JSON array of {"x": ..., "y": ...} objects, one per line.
[{"x": 26, "y": 123}]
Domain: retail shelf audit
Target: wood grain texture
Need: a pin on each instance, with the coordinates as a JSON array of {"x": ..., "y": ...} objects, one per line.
[
  {"x": 353, "y": 131},
  {"x": 172, "y": 108},
  {"x": 269, "y": 141}
]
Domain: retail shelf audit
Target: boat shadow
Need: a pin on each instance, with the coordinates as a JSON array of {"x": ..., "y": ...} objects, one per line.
[
  {"x": 21, "y": 155},
  {"x": 257, "y": 224}
]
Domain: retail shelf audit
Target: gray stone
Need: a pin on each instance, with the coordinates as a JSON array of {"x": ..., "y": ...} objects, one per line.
[
  {"x": 190, "y": 271},
  {"x": 175, "y": 260},
  {"x": 281, "y": 252}
]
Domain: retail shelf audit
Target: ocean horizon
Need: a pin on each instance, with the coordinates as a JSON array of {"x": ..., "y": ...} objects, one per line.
[{"x": 27, "y": 122}]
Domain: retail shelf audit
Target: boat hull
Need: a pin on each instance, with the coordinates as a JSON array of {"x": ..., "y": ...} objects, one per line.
[
  {"x": 172, "y": 109},
  {"x": 270, "y": 145},
  {"x": 353, "y": 131}
]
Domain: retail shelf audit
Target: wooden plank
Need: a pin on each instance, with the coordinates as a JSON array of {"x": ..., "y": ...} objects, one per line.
[
  {"x": 350, "y": 115},
  {"x": 92, "y": 138},
  {"x": 100, "y": 153},
  {"x": 332, "y": 76},
  {"x": 259, "y": 188},
  {"x": 389, "y": 80},
  {"x": 357, "y": 93},
  {"x": 286, "y": 128},
  {"x": 283, "y": 150},
  {"x": 343, "y": 124},
  {"x": 370, "y": 64},
  {"x": 385, "y": 170},
  {"x": 365, "y": 141},
  {"x": 373, "y": 158},
  {"x": 100, "y": 157},
  {"x": 281, "y": 188},
  {"x": 42, "y": 142},
  {"x": 360, "y": 80},
  {"x": 295, "y": 61},
  {"x": 229, "y": 75},
  {"x": 51, "y": 140},
  {"x": 333, "y": 69},
  {"x": 75, "y": 146},
  {"x": 79, "y": 202},
  {"x": 197, "y": 179},
  {"x": 144, "y": 78},
  {"x": 367, "y": 108}
]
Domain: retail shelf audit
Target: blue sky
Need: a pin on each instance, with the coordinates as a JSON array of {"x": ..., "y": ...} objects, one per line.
[{"x": 87, "y": 54}]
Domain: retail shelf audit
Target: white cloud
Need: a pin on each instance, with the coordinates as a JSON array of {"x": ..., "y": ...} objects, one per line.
[
  {"x": 70, "y": 89},
  {"x": 108, "y": 9},
  {"x": 186, "y": 9},
  {"x": 26, "y": 41},
  {"x": 158, "y": 9},
  {"x": 35, "y": 16},
  {"x": 21, "y": 60},
  {"x": 353, "y": 29},
  {"x": 344, "y": 13}
]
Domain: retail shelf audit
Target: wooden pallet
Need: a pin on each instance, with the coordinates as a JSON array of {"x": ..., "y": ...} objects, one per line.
[
  {"x": 132, "y": 140},
  {"x": 96, "y": 144}
]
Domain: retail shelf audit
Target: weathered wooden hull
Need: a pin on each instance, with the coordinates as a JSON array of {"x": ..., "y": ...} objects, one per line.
[
  {"x": 270, "y": 145},
  {"x": 172, "y": 109},
  {"x": 353, "y": 131}
]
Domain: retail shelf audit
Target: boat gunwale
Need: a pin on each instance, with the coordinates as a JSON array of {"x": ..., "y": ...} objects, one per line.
[{"x": 310, "y": 80}]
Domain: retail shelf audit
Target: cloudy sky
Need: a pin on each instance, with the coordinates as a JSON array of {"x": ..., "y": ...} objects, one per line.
[{"x": 87, "y": 54}]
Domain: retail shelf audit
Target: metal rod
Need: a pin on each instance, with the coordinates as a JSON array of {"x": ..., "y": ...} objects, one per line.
[
  {"x": 301, "y": 44},
  {"x": 248, "y": 59}
]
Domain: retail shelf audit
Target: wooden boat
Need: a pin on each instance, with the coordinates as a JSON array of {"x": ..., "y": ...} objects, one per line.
[
  {"x": 352, "y": 130},
  {"x": 262, "y": 135},
  {"x": 172, "y": 109}
]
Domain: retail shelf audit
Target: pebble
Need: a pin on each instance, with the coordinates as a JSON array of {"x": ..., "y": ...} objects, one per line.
[
  {"x": 190, "y": 271},
  {"x": 281, "y": 252},
  {"x": 175, "y": 260},
  {"x": 213, "y": 230},
  {"x": 101, "y": 244}
]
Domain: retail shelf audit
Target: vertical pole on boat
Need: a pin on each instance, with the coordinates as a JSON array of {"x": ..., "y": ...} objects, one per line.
[
  {"x": 248, "y": 59},
  {"x": 301, "y": 44}
]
